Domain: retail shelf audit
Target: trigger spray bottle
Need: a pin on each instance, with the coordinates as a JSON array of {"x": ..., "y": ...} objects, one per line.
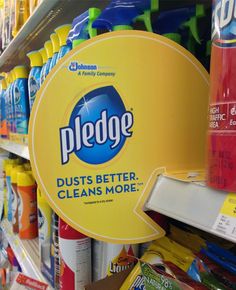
[{"x": 222, "y": 111}]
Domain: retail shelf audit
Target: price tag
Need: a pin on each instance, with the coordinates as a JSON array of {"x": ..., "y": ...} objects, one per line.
[{"x": 225, "y": 223}]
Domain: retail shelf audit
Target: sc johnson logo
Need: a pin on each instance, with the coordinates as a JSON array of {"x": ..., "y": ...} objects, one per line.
[{"x": 98, "y": 127}]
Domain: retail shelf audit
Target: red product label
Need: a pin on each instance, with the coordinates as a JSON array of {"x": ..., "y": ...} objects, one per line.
[
  {"x": 31, "y": 283},
  {"x": 222, "y": 120}
]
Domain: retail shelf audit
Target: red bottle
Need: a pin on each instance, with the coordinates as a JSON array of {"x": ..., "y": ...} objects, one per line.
[
  {"x": 75, "y": 252},
  {"x": 222, "y": 112}
]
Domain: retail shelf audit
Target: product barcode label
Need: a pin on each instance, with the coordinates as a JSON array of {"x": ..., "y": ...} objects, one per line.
[{"x": 225, "y": 223}]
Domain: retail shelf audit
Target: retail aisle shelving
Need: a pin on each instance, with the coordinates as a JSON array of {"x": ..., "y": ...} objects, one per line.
[
  {"x": 18, "y": 149},
  {"x": 26, "y": 252},
  {"x": 47, "y": 16},
  {"x": 192, "y": 203}
]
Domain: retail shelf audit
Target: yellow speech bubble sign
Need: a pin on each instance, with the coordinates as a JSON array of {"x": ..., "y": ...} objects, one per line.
[{"x": 115, "y": 113}]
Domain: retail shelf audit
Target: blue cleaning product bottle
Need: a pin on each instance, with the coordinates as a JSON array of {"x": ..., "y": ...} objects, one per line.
[
  {"x": 55, "y": 48},
  {"x": 9, "y": 108},
  {"x": 82, "y": 27},
  {"x": 36, "y": 63},
  {"x": 21, "y": 99},
  {"x": 42, "y": 51},
  {"x": 12, "y": 101},
  {"x": 62, "y": 33},
  {"x": 3, "y": 109},
  {"x": 49, "y": 53},
  {"x": 122, "y": 14}
]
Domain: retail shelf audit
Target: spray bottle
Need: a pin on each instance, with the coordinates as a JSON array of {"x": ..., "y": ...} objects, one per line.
[
  {"x": 36, "y": 63},
  {"x": 82, "y": 27},
  {"x": 122, "y": 14},
  {"x": 55, "y": 48},
  {"x": 75, "y": 250},
  {"x": 21, "y": 99},
  {"x": 42, "y": 51},
  {"x": 15, "y": 197},
  {"x": 62, "y": 33},
  {"x": 109, "y": 259},
  {"x": 27, "y": 205},
  {"x": 49, "y": 53},
  {"x": 3, "y": 109},
  {"x": 222, "y": 110}
]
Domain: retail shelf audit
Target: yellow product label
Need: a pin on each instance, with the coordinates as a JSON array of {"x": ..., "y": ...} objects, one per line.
[
  {"x": 127, "y": 106},
  {"x": 229, "y": 206},
  {"x": 121, "y": 262}
]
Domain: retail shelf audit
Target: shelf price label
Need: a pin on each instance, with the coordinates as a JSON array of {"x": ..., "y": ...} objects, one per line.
[
  {"x": 225, "y": 223},
  {"x": 110, "y": 115}
]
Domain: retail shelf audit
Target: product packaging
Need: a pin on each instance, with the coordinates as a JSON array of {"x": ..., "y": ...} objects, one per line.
[
  {"x": 15, "y": 197},
  {"x": 55, "y": 48},
  {"x": 222, "y": 111},
  {"x": 45, "y": 238},
  {"x": 42, "y": 51},
  {"x": 27, "y": 205},
  {"x": 49, "y": 53},
  {"x": 32, "y": 5},
  {"x": 75, "y": 252},
  {"x": 21, "y": 14},
  {"x": 21, "y": 100},
  {"x": 36, "y": 63},
  {"x": 62, "y": 33},
  {"x": 3, "y": 109},
  {"x": 109, "y": 259}
]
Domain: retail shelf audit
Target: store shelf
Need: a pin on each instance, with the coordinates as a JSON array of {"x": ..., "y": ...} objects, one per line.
[
  {"x": 48, "y": 15},
  {"x": 26, "y": 252},
  {"x": 18, "y": 149},
  {"x": 192, "y": 203}
]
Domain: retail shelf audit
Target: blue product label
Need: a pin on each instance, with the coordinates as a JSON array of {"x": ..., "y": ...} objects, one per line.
[
  {"x": 98, "y": 128},
  {"x": 42, "y": 74},
  {"x": 224, "y": 23},
  {"x": 9, "y": 198},
  {"x": 21, "y": 106},
  {"x": 54, "y": 60},
  {"x": 8, "y": 107},
  {"x": 33, "y": 84},
  {"x": 138, "y": 283},
  {"x": 63, "y": 51},
  {"x": 12, "y": 116},
  {"x": 47, "y": 68}
]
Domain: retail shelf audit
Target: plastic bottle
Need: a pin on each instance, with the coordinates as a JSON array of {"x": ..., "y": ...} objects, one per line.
[
  {"x": 3, "y": 109},
  {"x": 44, "y": 229},
  {"x": 32, "y": 5},
  {"x": 12, "y": 101},
  {"x": 55, "y": 48},
  {"x": 9, "y": 168},
  {"x": 222, "y": 111},
  {"x": 7, "y": 105},
  {"x": 27, "y": 206},
  {"x": 49, "y": 53},
  {"x": 42, "y": 51},
  {"x": 109, "y": 259},
  {"x": 36, "y": 63},
  {"x": 21, "y": 14},
  {"x": 21, "y": 99},
  {"x": 81, "y": 29},
  {"x": 75, "y": 250},
  {"x": 15, "y": 197},
  {"x": 62, "y": 33}
]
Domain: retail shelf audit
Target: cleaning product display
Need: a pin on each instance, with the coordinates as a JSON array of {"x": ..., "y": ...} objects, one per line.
[{"x": 41, "y": 246}]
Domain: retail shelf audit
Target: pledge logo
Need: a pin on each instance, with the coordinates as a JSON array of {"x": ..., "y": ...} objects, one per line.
[{"x": 98, "y": 128}]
